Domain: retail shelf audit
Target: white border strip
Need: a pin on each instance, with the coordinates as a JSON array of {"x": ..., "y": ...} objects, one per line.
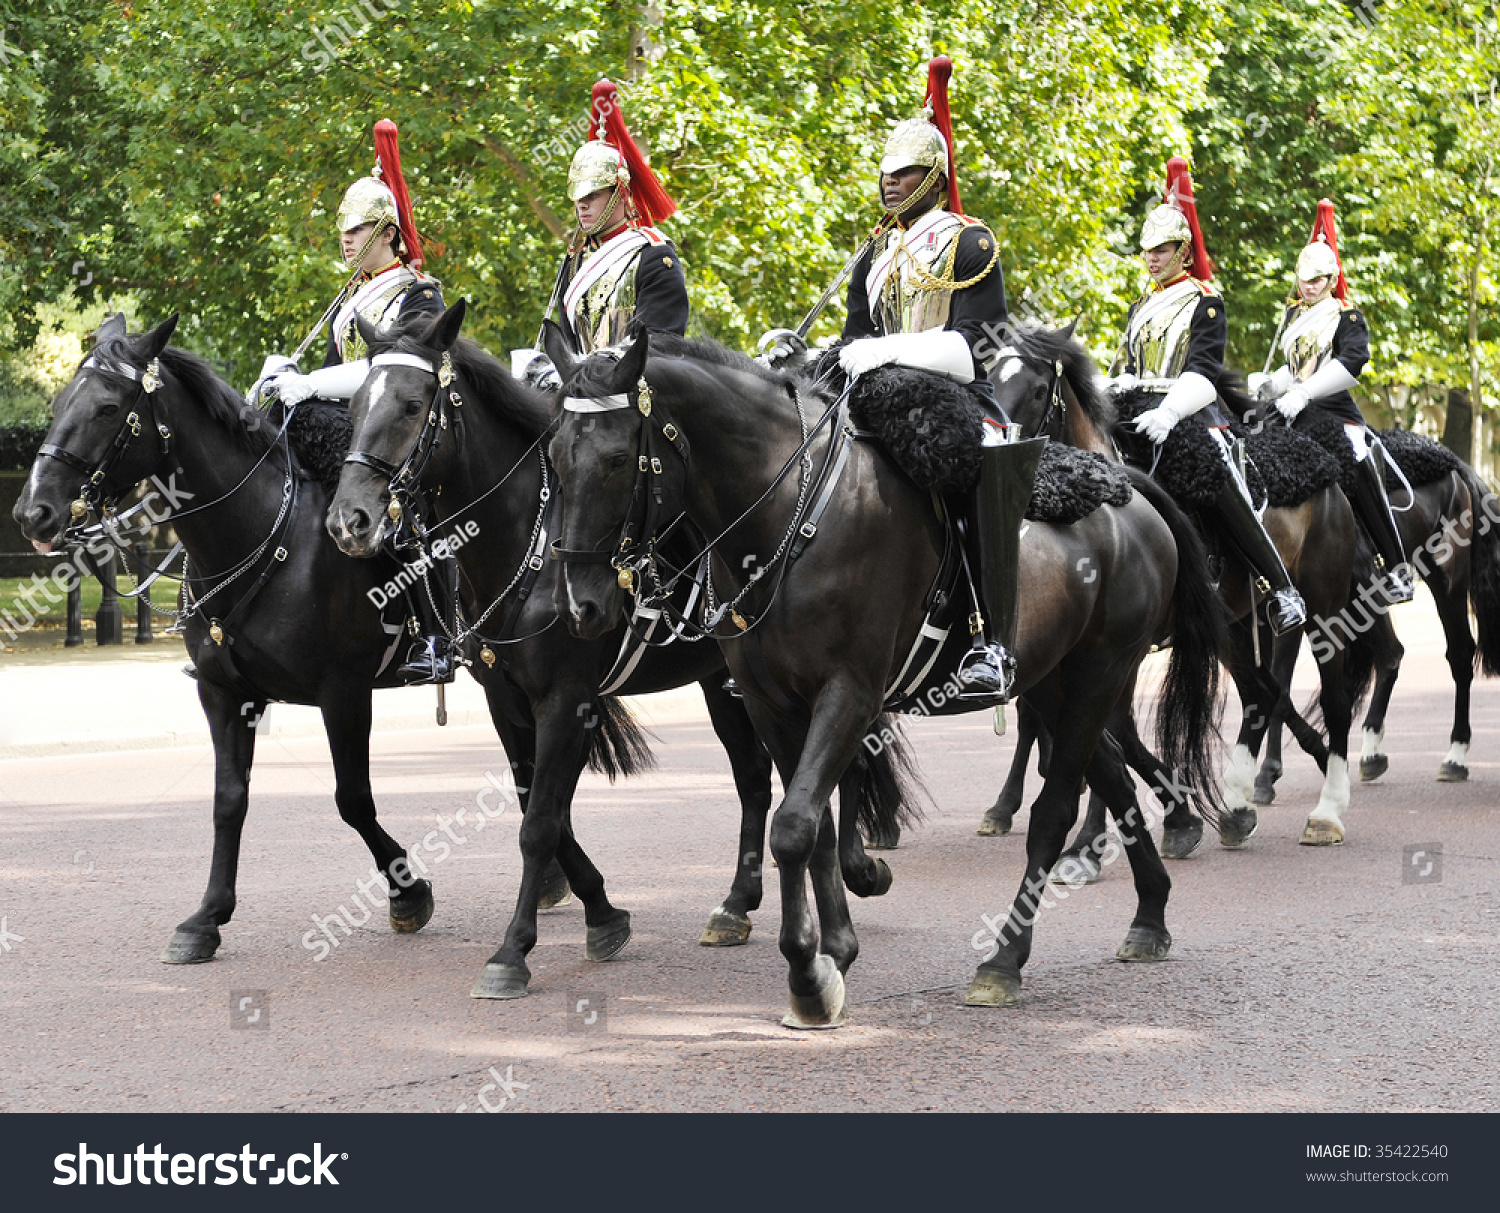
[
  {"x": 393, "y": 359},
  {"x": 595, "y": 404}
]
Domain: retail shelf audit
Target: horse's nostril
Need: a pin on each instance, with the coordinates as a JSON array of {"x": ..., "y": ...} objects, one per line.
[{"x": 358, "y": 523}]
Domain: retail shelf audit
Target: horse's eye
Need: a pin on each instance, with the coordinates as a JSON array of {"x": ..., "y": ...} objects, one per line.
[
  {"x": 617, "y": 461},
  {"x": 109, "y": 409},
  {"x": 413, "y": 407}
]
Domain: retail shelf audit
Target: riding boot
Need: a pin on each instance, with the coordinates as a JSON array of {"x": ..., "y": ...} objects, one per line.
[
  {"x": 1372, "y": 506},
  {"x": 431, "y": 658},
  {"x": 1242, "y": 526},
  {"x": 997, "y": 510}
]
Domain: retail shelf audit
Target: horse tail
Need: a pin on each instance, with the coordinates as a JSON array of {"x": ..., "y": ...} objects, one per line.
[
  {"x": 617, "y": 744},
  {"x": 1484, "y": 570},
  {"x": 890, "y": 789},
  {"x": 1187, "y": 715}
]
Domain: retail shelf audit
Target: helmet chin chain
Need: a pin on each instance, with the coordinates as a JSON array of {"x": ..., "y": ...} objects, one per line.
[
  {"x": 917, "y": 194},
  {"x": 1173, "y": 267}
]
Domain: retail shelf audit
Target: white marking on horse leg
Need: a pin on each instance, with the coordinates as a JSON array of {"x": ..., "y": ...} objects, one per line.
[
  {"x": 1458, "y": 754},
  {"x": 1370, "y": 745},
  {"x": 1239, "y": 778},
  {"x": 1334, "y": 801}
]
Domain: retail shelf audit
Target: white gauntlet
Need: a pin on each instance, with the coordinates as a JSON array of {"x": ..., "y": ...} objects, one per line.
[{"x": 941, "y": 351}]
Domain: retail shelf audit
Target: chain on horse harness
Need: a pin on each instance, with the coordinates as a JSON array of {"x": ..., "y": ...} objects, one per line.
[
  {"x": 91, "y": 497},
  {"x": 635, "y": 552},
  {"x": 406, "y": 508}
]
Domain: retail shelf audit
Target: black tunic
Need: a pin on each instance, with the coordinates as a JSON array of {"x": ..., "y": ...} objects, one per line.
[
  {"x": 422, "y": 297},
  {"x": 1351, "y": 346},
  {"x": 661, "y": 298}
]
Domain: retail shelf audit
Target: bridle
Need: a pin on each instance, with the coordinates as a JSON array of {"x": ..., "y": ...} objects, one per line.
[
  {"x": 91, "y": 495},
  {"x": 643, "y": 517},
  {"x": 403, "y": 479}
]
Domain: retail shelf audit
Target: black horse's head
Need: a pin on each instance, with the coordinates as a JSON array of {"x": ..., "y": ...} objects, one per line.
[
  {"x": 104, "y": 438},
  {"x": 391, "y": 412},
  {"x": 620, "y": 479},
  {"x": 1044, "y": 381}
]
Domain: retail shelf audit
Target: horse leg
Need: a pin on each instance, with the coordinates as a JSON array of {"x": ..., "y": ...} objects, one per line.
[
  {"x": 347, "y": 717},
  {"x": 865, "y": 877},
  {"x": 1079, "y": 864},
  {"x": 1284, "y": 650},
  {"x": 1258, "y": 692},
  {"x": 1453, "y": 610},
  {"x": 1081, "y": 700},
  {"x": 1182, "y": 829},
  {"x": 546, "y": 834},
  {"x": 231, "y": 724},
  {"x": 1148, "y": 937},
  {"x": 998, "y": 817},
  {"x": 802, "y": 840},
  {"x": 730, "y": 923},
  {"x": 1325, "y": 824},
  {"x": 1373, "y": 761}
]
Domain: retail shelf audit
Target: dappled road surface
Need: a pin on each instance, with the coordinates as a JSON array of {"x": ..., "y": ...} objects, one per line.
[{"x": 1300, "y": 979}]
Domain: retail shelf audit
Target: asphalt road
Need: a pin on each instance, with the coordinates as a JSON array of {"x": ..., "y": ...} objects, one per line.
[{"x": 1300, "y": 979}]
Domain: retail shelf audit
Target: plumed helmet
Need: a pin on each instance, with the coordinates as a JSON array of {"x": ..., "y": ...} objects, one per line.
[
  {"x": 368, "y": 200},
  {"x": 612, "y": 159},
  {"x": 1320, "y": 257},
  {"x": 596, "y": 166},
  {"x": 1176, "y": 220},
  {"x": 927, "y": 142},
  {"x": 382, "y": 198}
]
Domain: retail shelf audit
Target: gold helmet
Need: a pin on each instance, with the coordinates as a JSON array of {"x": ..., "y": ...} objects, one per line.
[
  {"x": 368, "y": 200},
  {"x": 596, "y": 166},
  {"x": 1164, "y": 225},
  {"x": 915, "y": 143}
]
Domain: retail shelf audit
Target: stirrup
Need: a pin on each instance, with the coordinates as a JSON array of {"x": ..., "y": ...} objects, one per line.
[
  {"x": 986, "y": 673},
  {"x": 733, "y": 688},
  {"x": 191, "y": 671},
  {"x": 1397, "y": 586},
  {"x": 432, "y": 665},
  {"x": 1285, "y": 610}
]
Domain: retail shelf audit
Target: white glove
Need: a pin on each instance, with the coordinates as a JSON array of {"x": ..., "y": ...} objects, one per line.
[
  {"x": 1267, "y": 387},
  {"x": 338, "y": 382},
  {"x": 1188, "y": 393},
  {"x": 1328, "y": 380},
  {"x": 1119, "y": 385},
  {"x": 274, "y": 365},
  {"x": 1291, "y": 403},
  {"x": 941, "y": 351},
  {"x": 778, "y": 347},
  {"x": 535, "y": 368}
]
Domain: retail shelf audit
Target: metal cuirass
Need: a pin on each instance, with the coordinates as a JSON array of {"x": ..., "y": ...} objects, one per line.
[
  {"x": 600, "y": 299},
  {"x": 900, "y": 303},
  {"x": 1157, "y": 338},
  {"x": 381, "y": 308},
  {"x": 1308, "y": 340}
]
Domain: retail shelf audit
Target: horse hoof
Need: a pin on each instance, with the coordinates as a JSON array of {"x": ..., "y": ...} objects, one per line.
[
  {"x": 1179, "y": 844},
  {"x": 1376, "y": 765},
  {"x": 824, "y": 1007},
  {"x": 884, "y": 878},
  {"x": 190, "y": 948},
  {"x": 1320, "y": 832},
  {"x": 413, "y": 909},
  {"x": 502, "y": 982},
  {"x": 725, "y": 929},
  {"x": 1449, "y": 772},
  {"x": 606, "y": 940},
  {"x": 1075, "y": 871},
  {"x": 992, "y": 988},
  {"x": 1145, "y": 943},
  {"x": 1265, "y": 792},
  {"x": 995, "y": 824},
  {"x": 1237, "y": 827},
  {"x": 555, "y": 891}
]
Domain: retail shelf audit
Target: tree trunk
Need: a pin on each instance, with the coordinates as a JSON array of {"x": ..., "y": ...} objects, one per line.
[{"x": 1458, "y": 426}]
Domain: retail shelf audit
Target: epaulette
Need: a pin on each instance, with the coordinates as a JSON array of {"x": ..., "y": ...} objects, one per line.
[
  {"x": 1205, "y": 288},
  {"x": 651, "y": 234}
]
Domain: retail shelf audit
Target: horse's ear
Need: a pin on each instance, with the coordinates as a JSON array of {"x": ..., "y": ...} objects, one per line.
[
  {"x": 443, "y": 332},
  {"x": 1068, "y": 329},
  {"x": 113, "y": 327},
  {"x": 632, "y": 364},
  {"x": 151, "y": 344},
  {"x": 555, "y": 342}
]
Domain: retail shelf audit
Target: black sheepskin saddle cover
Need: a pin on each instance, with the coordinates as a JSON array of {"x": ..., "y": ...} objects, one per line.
[
  {"x": 932, "y": 428},
  {"x": 320, "y": 434},
  {"x": 1282, "y": 467},
  {"x": 1423, "y": 460}
]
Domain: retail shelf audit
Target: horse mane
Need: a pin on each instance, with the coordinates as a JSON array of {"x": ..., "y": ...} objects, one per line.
[
  {"x": 514, "y": 401},
  {"x": 201, "y": 381},
  {"x": 670, "y": 345},
  {"x": 1036, "y": 343}
]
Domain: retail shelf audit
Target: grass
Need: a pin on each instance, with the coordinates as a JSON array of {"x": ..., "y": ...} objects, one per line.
[{"x": 163, "y": 594}]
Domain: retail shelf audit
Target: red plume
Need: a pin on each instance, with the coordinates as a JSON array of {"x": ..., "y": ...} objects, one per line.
[
  {"x": 388, "y": 166},
  {"x": 938, "y": 72},
  {"x": 652, "y": 203},
  {"x": 1324, "y": 226},
  {"x": 1180, "y": 195}
]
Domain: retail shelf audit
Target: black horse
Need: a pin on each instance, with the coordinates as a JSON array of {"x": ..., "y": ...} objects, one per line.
[
  {"x": 272, "y": 610},
  {"x": 817, "y": 633},
  {"x": 439, "y": 419},
  {"x": 1450, "y": 528}
]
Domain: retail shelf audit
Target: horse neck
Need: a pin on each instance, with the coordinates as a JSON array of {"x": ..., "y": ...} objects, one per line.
[
  {"x": 1079, "y": 429},
  {"x": 739, "y": 442},
  {"x": 487, "y": 446},
  {"x": 206, "y": 463}
]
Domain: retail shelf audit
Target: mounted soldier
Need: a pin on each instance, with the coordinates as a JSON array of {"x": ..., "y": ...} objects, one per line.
[
  {"x": 618, "y": 269},
  {"x": 379, "y": 241},
  {"x": 1326, "y": 345},
  {"x": 1173, "y": 349},
  {"x": 927, "y": 292}
]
